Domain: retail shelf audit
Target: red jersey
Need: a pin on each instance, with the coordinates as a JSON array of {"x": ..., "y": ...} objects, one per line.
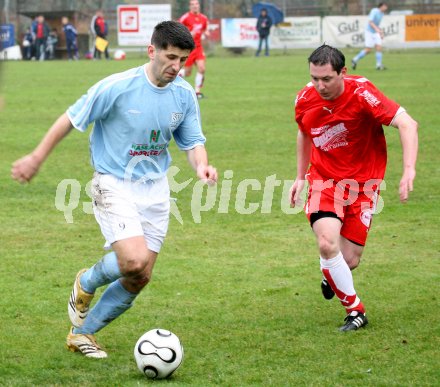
[
  {"x": 100, "y": 26},
  {"x": 40, "y": 31},
  {"x": 348, "y": 141},
  {"x": 196, "y": 23}
]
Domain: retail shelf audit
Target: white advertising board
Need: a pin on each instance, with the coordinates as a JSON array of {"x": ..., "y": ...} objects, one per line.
[
  {"x": 348, "y": 31},
  {"x": 239, "y": 33},
  {"x": 136, "y": 22},
  {"x": 310, "y": 32},
  {"x": 295, "y": 32}
]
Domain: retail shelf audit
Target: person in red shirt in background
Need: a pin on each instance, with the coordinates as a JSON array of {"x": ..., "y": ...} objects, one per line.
[
  {"x": 41, "y": 32},
  {"x": 341, "y": 151},
  {"x": 101, "y": 30},
  {"x": 197, "y": 23}
]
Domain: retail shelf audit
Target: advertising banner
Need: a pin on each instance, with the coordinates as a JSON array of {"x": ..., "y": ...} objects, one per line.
[
  {"x": 239, "y": 33},
  {"x": 339, "y": 31},
  {"x": 136, "y": 22},
  {"x": 422, "y": 27},
  {"x": 297, "y": 32},
  {"x": 348, "y": 31},
  {"x": 214, "y": 28},
  {"x": 7, "y": 36},
  {"x": 293, "y": 33}
]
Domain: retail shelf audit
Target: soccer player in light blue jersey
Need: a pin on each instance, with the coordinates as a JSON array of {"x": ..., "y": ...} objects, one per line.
[
  {"x": 135, "y": 114},
  {"x": 373, "y": 37}
]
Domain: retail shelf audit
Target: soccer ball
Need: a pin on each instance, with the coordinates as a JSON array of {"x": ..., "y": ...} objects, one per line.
[
  {"x": 119, "y": 55},
  {"x": 158, "y": 353}
]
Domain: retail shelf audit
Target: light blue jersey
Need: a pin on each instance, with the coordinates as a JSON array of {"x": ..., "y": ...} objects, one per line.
[
  {"x": 134, "y": 122},
  {"x": 375, "y": 16}
]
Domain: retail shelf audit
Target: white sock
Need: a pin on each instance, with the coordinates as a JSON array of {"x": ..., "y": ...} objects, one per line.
[
  {"x": 338, "y": 275},
  {"x": 199, "y": 81}
]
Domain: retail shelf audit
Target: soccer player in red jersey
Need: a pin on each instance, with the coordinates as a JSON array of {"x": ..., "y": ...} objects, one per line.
[
  {"x": 197, "y": 23},
  {"x": 341, "y": 151}
]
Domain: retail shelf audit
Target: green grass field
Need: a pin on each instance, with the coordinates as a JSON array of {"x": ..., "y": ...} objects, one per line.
[{"x": 240, "y": 290}]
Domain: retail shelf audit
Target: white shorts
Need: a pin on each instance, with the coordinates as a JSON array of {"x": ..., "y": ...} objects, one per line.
[
  {"x": 372, "y": 39},
  {"x": 124, "y": 209}
]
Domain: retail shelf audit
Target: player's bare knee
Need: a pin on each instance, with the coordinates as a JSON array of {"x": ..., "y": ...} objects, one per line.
[
  {"x": 327, "y": 248},
  {"x": 134, "y": 265}
]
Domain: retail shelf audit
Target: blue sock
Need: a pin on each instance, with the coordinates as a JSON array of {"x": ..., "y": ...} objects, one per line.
[
  {"x": 114, "y": 301},
  {"x": 379, "y": 58},
  {"x": 103, "y": 273},
  {"x": 359, "y": 56}
]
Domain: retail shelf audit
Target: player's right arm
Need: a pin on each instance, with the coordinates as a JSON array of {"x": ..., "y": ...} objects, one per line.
[
  {"x": 303, "y": 155},
  {"x": 198, "y": 159},
  {"x": 24, "y": 169}
]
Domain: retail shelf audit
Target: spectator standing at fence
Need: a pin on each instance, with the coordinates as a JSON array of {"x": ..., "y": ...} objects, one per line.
[
  {"x": 34, "y": 43},
  {"x": 373, "y": 37},
  {"x": 101, "y": 31},
  {"x": 93, "y": 33},
  {"x": 28, "y": 42},
  {"x": 52, "y": 41},
  {"x": 264, "y": 23},
  {"x": 71, "y": 35},
  {"x": 41, "y": 30}
]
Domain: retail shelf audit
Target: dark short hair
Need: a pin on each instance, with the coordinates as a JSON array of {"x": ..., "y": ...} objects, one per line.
[
  {"x": 172, "y": 33},
  {"x": 327, "y": 54}
]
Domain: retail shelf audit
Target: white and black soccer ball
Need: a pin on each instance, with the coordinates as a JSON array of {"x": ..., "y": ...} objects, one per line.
[
  {"x": 119, "y": 55},
  {"x": 158, "y": 353}
]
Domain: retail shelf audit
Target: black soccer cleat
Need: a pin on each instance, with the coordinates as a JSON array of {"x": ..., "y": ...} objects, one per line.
[
  {"x": 380, "y": 68},
  {"x": 327, "y": 290},
  {"x": 354, "y": 321},
  {"x": 353, "y": 64}
]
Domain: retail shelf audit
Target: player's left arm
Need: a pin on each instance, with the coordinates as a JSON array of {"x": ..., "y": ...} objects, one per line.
[
  {"x": 373, "y": 25},
  {"x": 409, "y": 139},
  {"x": 198, "y": 159}
]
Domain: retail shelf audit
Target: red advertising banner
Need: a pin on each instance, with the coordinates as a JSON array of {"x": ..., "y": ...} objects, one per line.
[{"x": 214, "y": 28}]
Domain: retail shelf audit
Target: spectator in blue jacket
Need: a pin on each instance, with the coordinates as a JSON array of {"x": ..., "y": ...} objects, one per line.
[
  {"x": 264, "y": 23},
  {"x": 28, "y": 42},
  {"x": 51, "y": 42},
  {"x": 71, "y": 38}
]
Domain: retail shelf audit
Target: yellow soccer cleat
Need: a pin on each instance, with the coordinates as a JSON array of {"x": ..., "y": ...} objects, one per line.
[
  {"x": 86, "y": 344},
  {"x": 79, "y": 302}
]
